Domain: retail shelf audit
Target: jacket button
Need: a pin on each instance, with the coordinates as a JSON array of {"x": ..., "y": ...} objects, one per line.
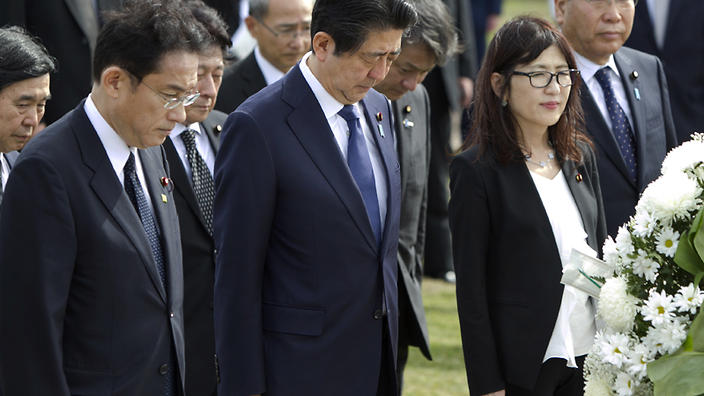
[
  {"x": 378, "y": 314},
  {"x": 163, "y": 369}
]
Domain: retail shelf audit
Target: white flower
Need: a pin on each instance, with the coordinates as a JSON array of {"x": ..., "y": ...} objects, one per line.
[
  {"x": 624, "y": 384},
  {"x": 645, "y": 267},
  {"x": 667, "y": 241},
  {"x": 667, "y": 337},
  {"x": 685, "y": 157},
  {"x": 658, "y": 308},
  {"x": 596, "y": 386},
  {"x": 616, "y": 307},
  {"x": 643, "y": 223},
  {"x": 689, "y": 298},
  {"x": 613, "y": 347},
  {"x": 671, "y": 196},
  {"x": 638, "y": 359},
  {"x": 624, "y": 244},
  {"x": 610, "y": 251}
]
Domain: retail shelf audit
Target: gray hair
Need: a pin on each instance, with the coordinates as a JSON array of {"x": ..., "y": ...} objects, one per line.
[
  {"x": 258, "y": 8},
  {"x": 435, "y": 28}
]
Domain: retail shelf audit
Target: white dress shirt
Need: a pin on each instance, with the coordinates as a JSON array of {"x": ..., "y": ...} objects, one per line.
[
  {"x": 340, "y": 130},
  {"x": 117, "y": 150},
  {"x": 5, "y": 170},
  {"x": 575, "y": 327},
  {"x": 202, "y": 145},
  {"x": 270, "y": 72},
  {"x": 587, "y": 70}
]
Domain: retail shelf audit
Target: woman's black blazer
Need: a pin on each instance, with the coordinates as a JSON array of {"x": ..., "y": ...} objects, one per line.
[{"x": 507, "y": 263}]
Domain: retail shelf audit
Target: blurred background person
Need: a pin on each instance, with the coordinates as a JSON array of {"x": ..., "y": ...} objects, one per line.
[
  {"x": 25, "y": 68},
  {"x": 431, "y": 41},
  {"x": 190, "y": 150},
  {"x": 672, "y": 31},
  {"x": 525, "y": 193},
  {"x": 485, "y": 14},
  {"x": 282, "y": 31}
]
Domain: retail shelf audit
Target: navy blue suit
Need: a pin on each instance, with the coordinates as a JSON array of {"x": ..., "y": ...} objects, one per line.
[{"x": 299, "y": 277}]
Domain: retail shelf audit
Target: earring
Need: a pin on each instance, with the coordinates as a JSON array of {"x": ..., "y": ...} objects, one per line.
[{"x": 504, "y": 103}]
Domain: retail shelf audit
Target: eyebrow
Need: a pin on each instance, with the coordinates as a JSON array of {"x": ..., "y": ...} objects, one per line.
[
  {"x": 176, "y": 87},
  {"x": 377, "y": 54},
  {"x": 560, "y": 66},
  {"x": 31, "y": 97}
]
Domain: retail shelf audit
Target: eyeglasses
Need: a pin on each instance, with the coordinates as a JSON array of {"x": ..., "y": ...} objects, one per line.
[
  {"x": 171, "y": 102},
  {"x": 604, "y": 4},
  {"x": 541, "y": 79},
  {"x": 288, "y": 31}
]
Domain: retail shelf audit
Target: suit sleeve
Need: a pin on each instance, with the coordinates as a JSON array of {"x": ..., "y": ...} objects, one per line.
[
  {"x": 420, "y": 246},
  {"x": 243, "y": 212},
  {"x": 470, "y": 224},
  {"x": 37, "y": 252},
  {"x": 670, "y": 132}
]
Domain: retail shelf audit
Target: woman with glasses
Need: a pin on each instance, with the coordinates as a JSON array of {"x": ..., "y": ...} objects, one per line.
[{"x": 525, "y": 193}]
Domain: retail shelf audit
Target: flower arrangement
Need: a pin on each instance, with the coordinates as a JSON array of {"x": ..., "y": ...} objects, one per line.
[{"x": 651, "y": 338}]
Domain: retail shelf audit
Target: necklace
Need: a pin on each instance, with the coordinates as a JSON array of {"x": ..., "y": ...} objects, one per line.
[{"x": 542, "y": 164}]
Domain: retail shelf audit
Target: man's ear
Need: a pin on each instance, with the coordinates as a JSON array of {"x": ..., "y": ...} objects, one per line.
[
  {"x": 113, "y": 79},
  {"x": 497, "y": 84},
  {"x": 323, "y": 46},
  {"x": 560, "y": 11},
  {"x": 252, "y": 25}
]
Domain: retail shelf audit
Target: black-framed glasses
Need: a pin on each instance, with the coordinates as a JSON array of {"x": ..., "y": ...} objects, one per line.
[
  {"x": 173, "y": 102},
  {"x": 541, "y": 79},
  {"x": 288, "y": 31},
  {"x": 621, "y": 4}
]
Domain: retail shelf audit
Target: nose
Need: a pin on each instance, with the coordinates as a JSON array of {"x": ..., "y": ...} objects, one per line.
[
  {"x": 410, "y": 83},
  {"x": 553, "y": 86},
  {"x": 177, "y": 114},
  {"x": 206, "y": 86},
  {"x": 611, "y": 12},
  {"x": 32, "y": 117},
  {"x": 378, "y": 72}
]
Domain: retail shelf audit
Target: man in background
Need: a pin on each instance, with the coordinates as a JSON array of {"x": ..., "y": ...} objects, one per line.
[
  {"x": 282, "y": 31},
  {"x": 431, "y": 41},
  {"x": 25, "y": 66}
]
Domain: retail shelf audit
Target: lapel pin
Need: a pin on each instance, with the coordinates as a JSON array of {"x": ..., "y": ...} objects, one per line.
[
  {"x": 578, "y": 178},
  {"x": 218, "y": 128},
  {"x": 163, "y": 198},
  {"x": 379, "y": 117},
  {"x": 407, "y": 109},
  {"x": 167, "y": 183},
  {"x": 636, "y": 92},
  {"x": 634, "y": 75},
  {"x": 381, "y": 130},
  {"x": 407, "y": 123}
]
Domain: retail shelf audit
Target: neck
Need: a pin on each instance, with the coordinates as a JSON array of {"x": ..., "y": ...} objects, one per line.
[{"x": 535, "y": 140}]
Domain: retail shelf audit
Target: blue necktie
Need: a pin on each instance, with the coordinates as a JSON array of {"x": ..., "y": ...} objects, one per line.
[
  {"x": 134, "y": 191},
  {"x": 361, "y": 167},
  {"x": 620, "y": 127}
]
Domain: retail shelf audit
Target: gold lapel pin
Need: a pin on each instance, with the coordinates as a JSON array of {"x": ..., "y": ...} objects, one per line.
[
  {"x": 407, "y": 109},
  {"x": 164, "y": 199},
  {"x": 379, "y": 117}
]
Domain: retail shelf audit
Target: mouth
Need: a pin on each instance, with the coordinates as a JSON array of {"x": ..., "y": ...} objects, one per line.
[{"x": 550, "y": 105}]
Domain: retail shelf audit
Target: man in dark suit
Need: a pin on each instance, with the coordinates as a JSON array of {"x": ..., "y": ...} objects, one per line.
[
  {"x": 282, "y": 31},
  {"x": 103, "y": 314},
  {"x": 450, "y": 89},
  {"x": 625, "y": 99},
  {"x": 432, "y": 40},
  {"x": 675, "y": 34},
  {"x": 307, "y": 214},
  {"x": 191, "y": 150},
  {"x": 68, "y": 29},
  {"x": 25, "y": 66}
]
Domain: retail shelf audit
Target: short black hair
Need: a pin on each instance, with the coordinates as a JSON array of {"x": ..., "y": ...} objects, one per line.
[
  {"x": 138, "y": 36},
  {"x": 349, "y": 22},
  {"x": 22, "y": 56},
  {"x": 213, "y": 24}
]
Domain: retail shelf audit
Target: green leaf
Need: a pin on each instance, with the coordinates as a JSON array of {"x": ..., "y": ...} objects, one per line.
[
  {"x": 696, "y": 333},
  {"x": 678, "y": 374},
  {"x": 690, "y": 246}
]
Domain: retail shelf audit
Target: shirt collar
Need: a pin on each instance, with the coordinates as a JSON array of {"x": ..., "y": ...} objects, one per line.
[
  {"x": 270, "y": 72},
  {"x": 587, "y": 68},
  {"x": 117, "y": 150},
  {"x": 179, "y": 128},
  {"x": 327, "y": 102}
]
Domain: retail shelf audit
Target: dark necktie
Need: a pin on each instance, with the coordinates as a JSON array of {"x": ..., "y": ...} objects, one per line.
[
  {"x": 203, "y": 185},
  {"x": 134, "y": 191},
  {"x": 620, "y": 127},
  {"x": 361, "y": 167}
]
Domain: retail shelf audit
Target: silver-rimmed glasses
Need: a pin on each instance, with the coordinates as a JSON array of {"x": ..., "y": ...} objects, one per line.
[
  {"x": 173, "y": 102},
  {"x": 289, "y": 31}
]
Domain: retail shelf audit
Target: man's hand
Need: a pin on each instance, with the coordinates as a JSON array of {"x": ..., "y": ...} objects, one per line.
[
  {"x": 466, "y": 91},
  {"x": 502, "y": 392}
]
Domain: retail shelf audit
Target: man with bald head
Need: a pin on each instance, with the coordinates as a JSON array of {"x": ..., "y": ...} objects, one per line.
[
  {"x": 25, "y": 66},
  {"x": 625, "y": 99}
]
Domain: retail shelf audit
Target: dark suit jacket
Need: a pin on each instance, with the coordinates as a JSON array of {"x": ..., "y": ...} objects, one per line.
[
  {"x": 241, "y": 80},
  {"x": 198, "y": 269},
  {"x": 508, "y": 266},
  {"x": 654, "y": 131},
  {"x": 68, "y": 30},
  {"x": 11, "y": 157},
  {"x": 85, "y": 313},
  {"x": 413, "y": 147},
  {"x": 299, "y": 277},
  {"x": 682, "y": 57}
]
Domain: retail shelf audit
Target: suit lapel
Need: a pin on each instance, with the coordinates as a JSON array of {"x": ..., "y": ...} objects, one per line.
[
  {"x": 400, "y": 142},
  {"x": 107, "y": 187},
  {"x": 180, "y": 178},
  {"x": 86, "y": 17},
  {"x": 599, "y": 130},
  {"x": 638, "y": 109},
  {"x": 570, "y": 172},
  {"x": 308, "y": 123},
  {"x": 212, "y": 130}
]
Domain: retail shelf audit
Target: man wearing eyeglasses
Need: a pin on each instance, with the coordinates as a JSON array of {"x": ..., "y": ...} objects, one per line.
[
  {"x": 626, "y": 101},
  {"x": 282, "y": 31},
  {"x": 91, "y": 283}
]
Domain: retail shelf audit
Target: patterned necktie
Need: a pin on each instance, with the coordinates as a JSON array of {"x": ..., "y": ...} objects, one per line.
[
  {"x": 361, "y": 167},
  {"x": 134, "y": 191},
  {"x": 203, "y": 185},
  {"x": 620, "y": 127}
]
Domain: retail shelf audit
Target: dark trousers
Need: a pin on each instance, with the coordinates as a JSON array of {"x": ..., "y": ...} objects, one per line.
[
  {"x": 387, "y": 381},
  {"x": 555, "y": 379}
]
